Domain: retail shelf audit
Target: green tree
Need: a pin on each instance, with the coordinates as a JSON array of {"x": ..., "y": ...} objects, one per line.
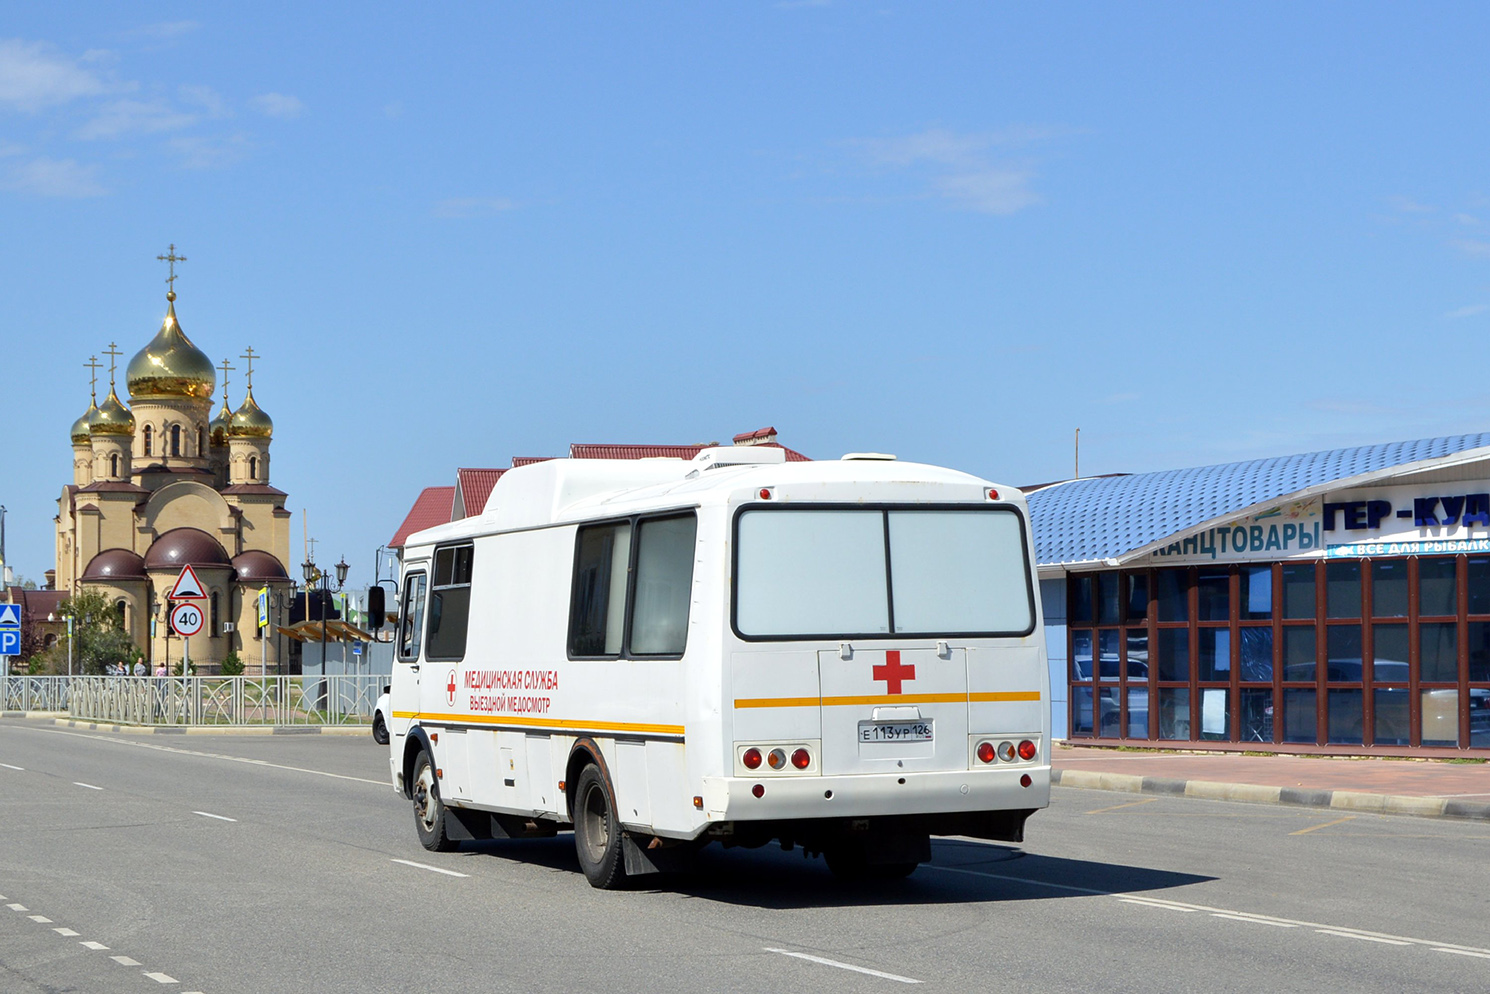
[
  {"x": 232, "y": 665},
  {"x": 97, "y": 637}
]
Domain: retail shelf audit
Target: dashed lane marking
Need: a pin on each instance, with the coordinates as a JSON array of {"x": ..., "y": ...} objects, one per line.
[
  {"x": 1253, "y": 919},
  {"x": 845, "y": 966},
  {"x": 18, "y": 769},
  {"x": 125, "y": 961},
  {"x": 17, "y": 907},
  {"x": 66, "y": 932},
  {"x": 1328, "y": 824},
  {"x": 209, "y": 814},
  {"x": 1159, "y": 902},
  {"x": 95, "y": 946},
  {"x": 432, "y": 869},
  {"x": 161, "y": 978},
  {"x": 79, "y": 783},
  {"x": 1363, "y": 938},
  {"x": 40, "y": 919}
]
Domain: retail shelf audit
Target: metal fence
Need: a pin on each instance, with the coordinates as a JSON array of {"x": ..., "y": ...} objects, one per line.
[{"x": 202, "y": 700}]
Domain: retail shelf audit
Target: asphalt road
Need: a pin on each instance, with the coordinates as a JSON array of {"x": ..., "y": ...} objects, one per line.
[{"x": 229, "y": 864}]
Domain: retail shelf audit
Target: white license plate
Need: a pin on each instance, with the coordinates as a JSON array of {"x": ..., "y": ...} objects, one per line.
[{"x": 894, "y": 731}]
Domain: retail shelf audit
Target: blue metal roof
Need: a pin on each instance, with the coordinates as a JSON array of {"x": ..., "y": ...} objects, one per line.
[{"x": 1102, "y": 517}]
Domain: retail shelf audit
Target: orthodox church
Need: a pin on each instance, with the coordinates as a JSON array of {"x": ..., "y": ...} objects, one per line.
[{"x": 163, "y": 482}]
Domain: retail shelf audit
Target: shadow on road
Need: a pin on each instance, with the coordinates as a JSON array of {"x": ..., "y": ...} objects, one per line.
[{"x": 961, "y": 872}]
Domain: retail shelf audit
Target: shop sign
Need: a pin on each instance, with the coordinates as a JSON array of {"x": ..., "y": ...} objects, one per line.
[
  {"x": 1280, "y": 532},
  {"x": 1408, "y": 521}
]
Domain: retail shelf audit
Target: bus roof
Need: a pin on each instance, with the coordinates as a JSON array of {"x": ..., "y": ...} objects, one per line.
[{"x": 561, "y": 490}]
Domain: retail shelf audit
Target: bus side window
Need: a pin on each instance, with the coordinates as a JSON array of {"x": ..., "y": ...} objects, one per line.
[
  {"x": 597, "y": 600},
  {"x": 411, "y": 618},
  {"x": 450, "y": 602},
  {"x": 664, "y": 584}
]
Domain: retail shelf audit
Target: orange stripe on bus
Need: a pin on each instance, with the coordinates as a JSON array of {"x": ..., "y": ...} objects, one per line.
[
  {"x": 557, "y": 724},
  {"x": 981, "y": 697}
]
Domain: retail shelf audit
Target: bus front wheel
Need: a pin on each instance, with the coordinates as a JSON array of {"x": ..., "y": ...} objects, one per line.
[
  {"x": 597, "y": 832},
  {"x": 429, "y": 810}
]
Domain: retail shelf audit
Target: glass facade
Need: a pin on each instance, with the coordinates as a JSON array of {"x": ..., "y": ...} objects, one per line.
[{"x": 1389, "y": 652}]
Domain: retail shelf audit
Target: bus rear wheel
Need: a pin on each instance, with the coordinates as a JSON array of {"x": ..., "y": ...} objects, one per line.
[
  {"x": 429, "y": 810},
  {"x": 597, "y": 833}
]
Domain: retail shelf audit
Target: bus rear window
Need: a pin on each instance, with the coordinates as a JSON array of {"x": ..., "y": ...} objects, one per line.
[{"x": 840, "y": 572}]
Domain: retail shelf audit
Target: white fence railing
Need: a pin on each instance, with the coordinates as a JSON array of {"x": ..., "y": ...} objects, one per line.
[{"x": 201, "y": 700}]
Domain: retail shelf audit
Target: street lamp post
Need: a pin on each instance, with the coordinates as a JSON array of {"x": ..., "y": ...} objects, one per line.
[{"x": 313, "y": 573}]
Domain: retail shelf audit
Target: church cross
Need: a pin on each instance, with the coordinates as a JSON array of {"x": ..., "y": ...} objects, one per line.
[
  {"x": 171, "y": 258},
  {"x": 113, "y": 353},
  {"x": 249, "y": 355},
  {"x": 94, "y": 366},
  {"x": 226, "y": 369}
]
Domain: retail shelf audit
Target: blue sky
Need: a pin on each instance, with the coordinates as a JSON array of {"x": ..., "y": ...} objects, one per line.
[{"x": 955, "y": 232}]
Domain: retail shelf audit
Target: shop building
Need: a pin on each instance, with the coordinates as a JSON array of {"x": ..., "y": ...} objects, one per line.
[{"x": 1327, "y": 602}]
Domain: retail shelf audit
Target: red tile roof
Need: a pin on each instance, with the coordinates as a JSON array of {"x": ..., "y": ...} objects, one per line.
[
  {"x": 604, "y": 451},
  {"x": 528, "y": 460},
  {"x": 746, "y": 437},
  {"x": 473, "y": 487},
  {"x": 432, "y": 507}
]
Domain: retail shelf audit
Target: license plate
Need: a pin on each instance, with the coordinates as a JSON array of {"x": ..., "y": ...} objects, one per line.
[{"x": 894, "y": 731}]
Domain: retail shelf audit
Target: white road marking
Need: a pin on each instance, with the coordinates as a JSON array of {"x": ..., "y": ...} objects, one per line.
[
  {"x": 213, "y": 755},
  {"x": 17, "y": 907},
  {"x": 18, "y": 769},
  {"x": 124, "y": 961},
  {"x": 40, "y": 919},
  {"x": 1364, "y": 938},
  {"x": 1253, "y": 920},
  {"x": 1447, "y": 947},
  {"x": 1154, "y": 904},
  {"x": 432, "y": 869},
  {"x": 209, "y": 814},
  {"x": 67, "y": 932},
  {"x": 95, "y": 946},
  {"x": 161, "y": 978},
  {"x": 79, "y": 783},
  {"x": 845, "y": 966}
]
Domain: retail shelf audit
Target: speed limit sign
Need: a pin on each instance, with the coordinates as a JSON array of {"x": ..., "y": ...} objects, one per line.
[{"x": 186, "y": 619}]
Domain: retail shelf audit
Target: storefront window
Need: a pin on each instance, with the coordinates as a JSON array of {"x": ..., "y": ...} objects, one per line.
[
  {"x": 1300, "y": 719},
  {"x": 1479, "y": 653},
  {"x": 1214, "y": 657},
  {"x": 1109, "y": 723},
  {"x": 1343, "y": 589},
  {"x": 1343, "y": 654},
  {"x": 1393, "y": 716},
  {"x": 1298, "y": 590},
  {"x": 1257, "y": 654},
  {"x": 1441, "y": 717},
  {"x": 1138, "y": 655},
  {"x": 1213, "y": 597},
  {"x": 1108, "y": 598},
  {"x": 1300, "y": 649},
  {"x": 1174, "y": 713},
  {"x": 1215, "y": 716},
  {"x": 1345, "y": 717},
  {"x": 1174, "y": 654},
  {"x": 1477, "y": 583},
  {"x": 1173, "y": 594},
  {"x": 1138, "y": 596},
  {"x": 1081, "y": 710},
  {"x": 1257, "y": 716},
  {"x": 1107, "y": 654},
  {"x": 1081, "y": 655},
  {"x": 1138, "y": 713},
  {"x": 1389, "y": 588},
  {"x": 1257, "y": 593},
  {"x": 1438, "y": 652},
  {"x": 1438, "y": 588},
  {"x": 1389, "y": 654},
  {"x": 1081, "y": 598}
]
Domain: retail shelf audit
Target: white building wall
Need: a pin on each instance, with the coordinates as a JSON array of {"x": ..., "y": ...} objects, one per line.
[{"x": 1053, "y": 604}]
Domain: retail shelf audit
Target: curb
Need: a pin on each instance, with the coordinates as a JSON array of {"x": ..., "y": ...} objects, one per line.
[
  {"x": 1338, "y": 800},
  {"x": 98, "y": 726}
]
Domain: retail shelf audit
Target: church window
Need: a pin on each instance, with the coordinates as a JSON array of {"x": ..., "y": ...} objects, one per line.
[
  {"x": 253, "y": 467},
  {"x": 175, "y": 440},
  {"x": 114, "y": 464},
  {"x": 216, "y": 631},
  {"x": 200, "y": 446},
  {"x": 149, "y": 438},
  {"x": 121, "y": 610}
]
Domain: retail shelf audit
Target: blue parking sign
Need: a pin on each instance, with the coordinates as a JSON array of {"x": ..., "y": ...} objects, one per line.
[{"x": 10, "y": 642}]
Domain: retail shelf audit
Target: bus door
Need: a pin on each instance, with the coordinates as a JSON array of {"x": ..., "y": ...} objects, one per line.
[
  {"x": 889, "y": 709},
  {"x": 404, "y": 695}
]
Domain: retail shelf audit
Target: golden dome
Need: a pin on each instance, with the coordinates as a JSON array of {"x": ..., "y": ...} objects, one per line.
[
  {"x": 217, "y": 428},
  {"x": 249, "y": 421},
  {"x": 171, "y": 366},
  {"x": 113, "y": 418},
  {"x": 80, "y": 427}
]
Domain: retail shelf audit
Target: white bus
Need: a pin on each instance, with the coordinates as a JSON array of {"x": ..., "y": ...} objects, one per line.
[{"x": 843, "y": 656}]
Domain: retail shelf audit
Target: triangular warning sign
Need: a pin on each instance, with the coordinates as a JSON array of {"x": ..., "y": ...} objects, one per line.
[{"x": 187, "y": 586}]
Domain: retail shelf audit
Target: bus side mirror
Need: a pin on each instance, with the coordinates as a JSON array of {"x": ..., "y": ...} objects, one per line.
[{"x": 376, "y": 610}]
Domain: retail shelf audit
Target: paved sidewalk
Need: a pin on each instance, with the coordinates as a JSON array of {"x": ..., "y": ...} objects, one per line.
[{"x": 1424, "y": 788}]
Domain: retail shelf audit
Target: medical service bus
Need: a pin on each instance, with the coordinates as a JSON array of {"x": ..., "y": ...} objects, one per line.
[{"x": 843, "y": 656}]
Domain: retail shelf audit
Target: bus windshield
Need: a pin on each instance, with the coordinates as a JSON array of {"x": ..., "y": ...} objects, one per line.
[{"x": 839, "y": 572}]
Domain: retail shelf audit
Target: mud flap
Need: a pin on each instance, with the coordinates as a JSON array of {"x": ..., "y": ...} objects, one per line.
[{"x": 641, "y": 861}]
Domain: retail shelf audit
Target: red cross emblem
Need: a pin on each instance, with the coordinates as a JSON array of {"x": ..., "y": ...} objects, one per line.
[
  {"x": 892, "y": 672},
  {"x": 450, "y": 688}
]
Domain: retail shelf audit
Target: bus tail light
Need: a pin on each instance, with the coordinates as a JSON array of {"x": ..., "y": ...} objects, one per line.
[
  {"x": 777, "y": 758},
  {"x": 1007, "y": 752},
  {"x": 801, "y": 759},
  {"x": 1027, "y": 750},
  {"x": 1025, "y": 780},
  {"x": 765, "y": 493},
  {"x": 752, "y": 758},
  {"x": 759, "y": 790},
  {"x": 986, "y": 753},
  {"x": 993, "y": 494}
]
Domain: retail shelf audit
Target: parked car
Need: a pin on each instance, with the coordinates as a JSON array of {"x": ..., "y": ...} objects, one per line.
[{"x": 380, "y": 719}]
